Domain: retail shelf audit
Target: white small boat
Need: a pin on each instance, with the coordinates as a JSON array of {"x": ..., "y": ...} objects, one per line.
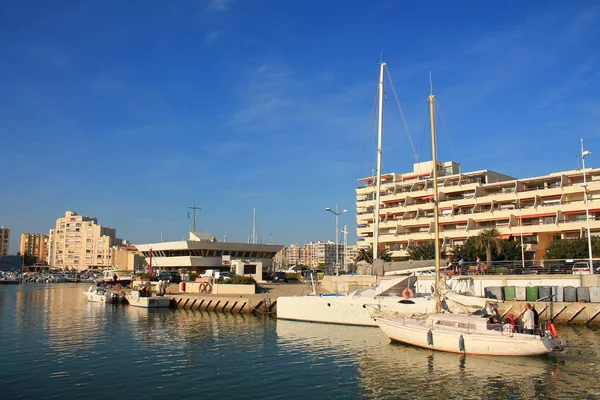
[
  {"x": 468, "y": 334},
  {"x": 135, "y": 299},
  {"x": 99, "y": 294}
]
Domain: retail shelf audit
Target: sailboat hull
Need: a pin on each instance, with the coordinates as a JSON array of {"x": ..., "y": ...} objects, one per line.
[
  {"x": 426, "y": 333},
  {"x": 348, "y": 310}
]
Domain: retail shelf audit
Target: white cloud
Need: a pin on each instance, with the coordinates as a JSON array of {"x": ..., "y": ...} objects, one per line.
[
  {"x": 219, "y": 5},
  {"x": 212, "y": 36}
]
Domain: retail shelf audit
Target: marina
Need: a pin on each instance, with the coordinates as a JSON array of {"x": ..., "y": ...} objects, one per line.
[{"x": 191, "y": 352}]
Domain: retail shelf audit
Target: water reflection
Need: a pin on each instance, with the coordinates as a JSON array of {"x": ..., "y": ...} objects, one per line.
[
  {"x": 390, "y": 370},
  {"x": 53, "y": 344}
]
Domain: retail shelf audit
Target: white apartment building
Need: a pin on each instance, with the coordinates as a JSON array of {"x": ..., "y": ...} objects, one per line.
[
  {"x": 314, "y": 254},
  {"x": 4, "y": 241},
  {"x": 79, "y": 242},
  {"x": 539, "y": 209}
]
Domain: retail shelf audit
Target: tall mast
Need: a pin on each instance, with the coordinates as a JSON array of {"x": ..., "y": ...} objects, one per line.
[
  {"x": 436, "y": 216},
  {"x": 254, "y": 226},
  {"x": 193, "y": 208},
  {"x": 378, "y": 179}
]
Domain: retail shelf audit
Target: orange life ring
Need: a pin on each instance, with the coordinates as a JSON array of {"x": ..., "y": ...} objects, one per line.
[
  {"x": 407, "y": 293},
  {"x": 552, "y": 330}
]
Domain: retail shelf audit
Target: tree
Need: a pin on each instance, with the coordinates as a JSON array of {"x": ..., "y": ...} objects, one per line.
[
  {"x": 366, "y": 254},
  {"x": 28, "y": 259},
  {"x": 511, "y": 251},
  {"x": 422, "y": 250},
  {"x": 568, "y": 248},
  {"x": 487, "y": 240}
]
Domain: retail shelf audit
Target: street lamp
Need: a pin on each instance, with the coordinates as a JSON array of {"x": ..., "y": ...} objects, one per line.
[
  {"x": 337, "y": 214},
  {"x": 587, "y": 209}
]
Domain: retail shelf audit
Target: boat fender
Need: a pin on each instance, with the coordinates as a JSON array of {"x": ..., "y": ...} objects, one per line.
[
  {"x": 407, "y": 293},
  {"x": 552, "y": 330},
  {"x": 430, "y": 338},
  {"x": 461, "y": 343}
]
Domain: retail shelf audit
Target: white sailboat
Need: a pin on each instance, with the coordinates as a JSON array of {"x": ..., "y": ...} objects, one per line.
[
  {"x": 468, "y": 334},
  {"x": 387, "y": 296}
]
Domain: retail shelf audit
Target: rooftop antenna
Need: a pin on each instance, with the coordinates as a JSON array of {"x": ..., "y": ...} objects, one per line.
[
  {"x": 254, "y": 225},
  {"x": 193, "y": 208}
]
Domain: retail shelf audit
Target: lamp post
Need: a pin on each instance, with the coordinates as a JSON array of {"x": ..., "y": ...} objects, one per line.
[
  {"x": 337, "y": 214},
  {"x": 587, "y": 209}
]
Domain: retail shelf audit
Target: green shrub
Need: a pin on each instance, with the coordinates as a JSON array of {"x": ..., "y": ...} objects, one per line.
[
  {"x": 242, "y": 280},
  {"x": 141, "y": 275},
  {"x": 193, "y": 277}
]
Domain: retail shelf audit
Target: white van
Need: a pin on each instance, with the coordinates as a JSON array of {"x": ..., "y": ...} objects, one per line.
[{"x": 215, "y": 274}]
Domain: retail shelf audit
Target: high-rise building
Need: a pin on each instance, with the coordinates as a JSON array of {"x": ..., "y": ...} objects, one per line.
[
  {"x": 315, "y": 254},
  {"x": 35, "y": 244},
  {"x": 79, "y": 242},
  {"x": 4, "y": 241},
  {"x": 535, "y": 210}
]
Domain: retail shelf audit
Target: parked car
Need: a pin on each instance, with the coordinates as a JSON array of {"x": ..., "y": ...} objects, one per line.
[
  {"x": 560, "y": 269},
  {"x": 172, "y": 277},
  {"x": 581, "y": 268},
  {"x": 280, "y": 277}
]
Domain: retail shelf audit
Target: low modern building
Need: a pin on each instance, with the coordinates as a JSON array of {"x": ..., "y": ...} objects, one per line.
[
  {"x": 79, "y": 242},
  {"x": 202, "y": 251},
  {"x": 35, "y": 244},
  {"x": 537, "y": 210},
  {"x": 4, "y": 241}
]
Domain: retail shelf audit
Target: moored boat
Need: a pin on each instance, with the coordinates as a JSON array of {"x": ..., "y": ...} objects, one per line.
[
  {"x": 468, "y": 334},
  {"x": 136, "y": 298},
  {"x": 99, "y": 294}
]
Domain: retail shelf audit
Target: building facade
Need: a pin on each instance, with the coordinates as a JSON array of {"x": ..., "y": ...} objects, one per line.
[
  {"x": 202, "y": 251},
  {"x": 4, "y": 241},
  {"x": 535, "y": 210},
  {"x": 79, "y": 242},
  {"x": 315, "y": 254},
  {"x": 35, "y": 244}
]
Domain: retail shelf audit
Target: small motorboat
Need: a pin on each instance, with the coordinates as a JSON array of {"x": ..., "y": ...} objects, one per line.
[
  {"x": 139, "y": 299},
  {"x": 99, "y": 294}
]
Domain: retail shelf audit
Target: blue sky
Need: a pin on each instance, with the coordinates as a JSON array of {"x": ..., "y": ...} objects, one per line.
[{"x": 131, "y": 111}]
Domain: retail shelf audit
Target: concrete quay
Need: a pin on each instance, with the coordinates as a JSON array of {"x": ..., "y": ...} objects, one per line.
[{"x": 260, "y": 303}]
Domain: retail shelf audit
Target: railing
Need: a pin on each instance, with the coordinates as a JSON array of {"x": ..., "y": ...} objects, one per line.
[{"x": 550, "y": 267}]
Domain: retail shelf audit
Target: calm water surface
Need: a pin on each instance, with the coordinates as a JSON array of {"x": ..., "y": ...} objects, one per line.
[{"x": 53, "y": 344}]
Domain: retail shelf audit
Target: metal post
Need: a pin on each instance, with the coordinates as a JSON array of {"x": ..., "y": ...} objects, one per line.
[
  {"x": 587, "y": 209},
  {"x": 337, "y": 214}
]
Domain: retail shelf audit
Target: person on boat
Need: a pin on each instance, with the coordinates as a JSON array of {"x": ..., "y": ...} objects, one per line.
[
  {"x": 528, "y": 320},
  {"x": 536, "y": 317},
  {"x": 508, "y": 326},
  {"x": 512, "y": 320}
]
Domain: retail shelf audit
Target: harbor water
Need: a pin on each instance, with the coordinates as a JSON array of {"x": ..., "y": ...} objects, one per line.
[{"x": 54, "y": 345}]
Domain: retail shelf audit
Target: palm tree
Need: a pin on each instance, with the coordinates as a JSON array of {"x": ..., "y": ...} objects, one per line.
[
  {"x": 488, "y": 239},
  {"x": 367, "y": 255}
]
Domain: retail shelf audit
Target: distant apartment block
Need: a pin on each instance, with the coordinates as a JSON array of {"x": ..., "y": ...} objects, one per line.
[
  {"x": 4, "y": 241},
  {"x": 35, "y": 244},
  {"x": 79, "y": 242},
  {"x": 539, "y": 209}
]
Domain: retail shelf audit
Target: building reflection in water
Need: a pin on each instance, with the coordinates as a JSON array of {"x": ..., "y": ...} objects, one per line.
[{"x": 401, "y": 371}]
